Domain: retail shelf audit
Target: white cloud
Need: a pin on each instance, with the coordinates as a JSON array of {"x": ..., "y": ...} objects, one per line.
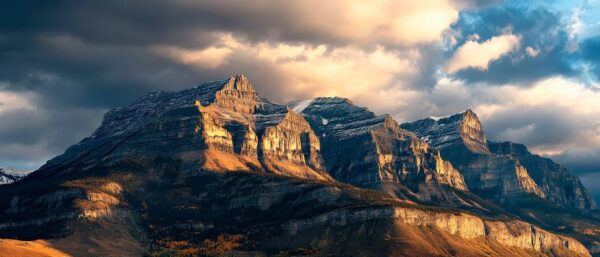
[
  {"x": 310, "y": 71},
  {"x": 12, "y": 101},
  {"x": 473, "y": 54},
  {"x": 532, "y": 52},
  {"x": 568, "y": 107}
]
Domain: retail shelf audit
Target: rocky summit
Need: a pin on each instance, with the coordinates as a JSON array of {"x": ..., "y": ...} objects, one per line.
[
  {"x": 217, "y": 170},
  {"x": 505, "y": 172}
]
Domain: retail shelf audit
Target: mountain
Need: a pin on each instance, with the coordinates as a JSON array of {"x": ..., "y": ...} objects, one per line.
[
  {"x": 373, "y": 152},
  {"x": 224, "y": 125},
  {"x": 218, "y": 169},
  {"x": 8, "y": 175},
  {"x": 505, "y": 172},
  {"x": 559, "y": 186}
]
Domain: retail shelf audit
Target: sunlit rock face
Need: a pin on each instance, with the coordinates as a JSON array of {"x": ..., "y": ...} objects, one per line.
[
  {"x": 559, "y": 185},
  {"x": 508, "y": 233},
  {"x": 497, "y": 174},
  {"x": 219, "y": 126},
  {"x": 461, "y": 140},
  {"x": 183, "y": 167},
  {"x": 292, "y": 147},
  {"x": 459, "y": 129},
  {"x": 372, "y": 151}
]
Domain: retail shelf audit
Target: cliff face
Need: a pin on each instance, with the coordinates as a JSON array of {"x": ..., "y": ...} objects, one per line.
[
  {"x": 279, "y": 214},
  {"x": 459, "y": 129},
  {"x": 242, "y": 129},
  {"x": 559, "y": 186},
  {"x": 292, "y": 147},
  {"x": 220, "y": 126},
  {"x": 501, "y": 171},
  {"x": 176, "y": 168},
  {"x": 508, "y": 233},
  {"x": 374, "y": 152},
  {"x": 461, "y": 140}
]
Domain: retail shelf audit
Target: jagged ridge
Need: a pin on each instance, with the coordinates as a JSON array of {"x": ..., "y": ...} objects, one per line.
[
  {"x": 178, "y": 140},
  {"x": 219, "y": 126},
  {"x": 372, "y": 151},
  {"x": 507, "y": 173}
]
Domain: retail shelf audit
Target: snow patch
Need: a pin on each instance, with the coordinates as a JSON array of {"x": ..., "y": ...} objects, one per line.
[
  {"x": 8, "y": 176},
  {"x": 435, "y": 118},
  {"x": 301, "y": 105}
]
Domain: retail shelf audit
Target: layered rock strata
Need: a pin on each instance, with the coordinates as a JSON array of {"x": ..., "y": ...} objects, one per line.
[
  {"x": 372, "y": 151},
  {"x": 222, "y": 126},
  {"x": 499, "y": 171}
]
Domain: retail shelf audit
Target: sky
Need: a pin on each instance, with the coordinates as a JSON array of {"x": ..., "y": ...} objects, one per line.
[{"x": 529, "y": 69}]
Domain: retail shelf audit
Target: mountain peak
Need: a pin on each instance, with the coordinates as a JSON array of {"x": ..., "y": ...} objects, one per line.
[
  {"x": 471, "y": 132},
  {"x": 241, "y": 83},
  {"x": 469, "y": 112},
  {"x": 191, "y": 171},
  {"x": 461, "y": 128}
]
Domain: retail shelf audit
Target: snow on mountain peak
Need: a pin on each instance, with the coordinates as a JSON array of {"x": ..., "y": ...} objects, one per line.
[
  {"x": 299, "y": 106},
  {"x": 9, "y": 175},
  {"x": 441, "y": 132}
]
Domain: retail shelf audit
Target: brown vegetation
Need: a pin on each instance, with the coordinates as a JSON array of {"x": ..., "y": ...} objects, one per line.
[{"x": 220, "y": 246}]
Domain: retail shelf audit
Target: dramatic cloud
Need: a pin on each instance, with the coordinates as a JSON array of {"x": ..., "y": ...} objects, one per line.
[
  {"x": 63, "y": 59},
  {"x": 473, "y": 54},
  {"x": 308, "y": 71},
  {"x": 589, "y": 50},
  {"x": 555, "y": 117},
  {"x": 10, "y": 101},
  {"x": 529, "y": 69},
  {"x": 542, "y": 30},
  {"x": 31, "y": 136}
]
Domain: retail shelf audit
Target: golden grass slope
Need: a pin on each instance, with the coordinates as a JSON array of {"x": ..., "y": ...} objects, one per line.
[{"x": 37, "y": 248}]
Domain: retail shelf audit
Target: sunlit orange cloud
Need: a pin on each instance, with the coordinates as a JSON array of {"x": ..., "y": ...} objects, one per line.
[{"x": 317, "y": 71}]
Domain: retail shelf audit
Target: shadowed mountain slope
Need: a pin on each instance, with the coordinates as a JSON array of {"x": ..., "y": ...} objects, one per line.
[{"x": 217, "y": 169}]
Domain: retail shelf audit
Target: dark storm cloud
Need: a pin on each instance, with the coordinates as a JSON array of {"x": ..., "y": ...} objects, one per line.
[
  {"x": 79, "y": 53},
  {"x": 68, "y": 72},
  {"x": 539, "y": 28},
  {"x": 152, "y": 22},
  {"x": 590, "y": 50},
  {"x": 592, "y": 183},
  {"x": 534, "y": 126},
  {"x": 84, "y": 57},
  {"x": 545, "y": 128},
  {"x": 50, "y": 131},
  {"x": 581, "y": 163}
]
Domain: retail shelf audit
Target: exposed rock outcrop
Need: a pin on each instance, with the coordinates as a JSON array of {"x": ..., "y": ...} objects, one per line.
[
  {"x": 179, "y": 168},
  {"x": 509, "y": 233},
  {"x": 559, "y": 186},
  {"x": 461, "y": 140},
  {"x": 372, "y": 151},
  {"x": 501, "y": 171},
  {"x": 222, "y": 126}
]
